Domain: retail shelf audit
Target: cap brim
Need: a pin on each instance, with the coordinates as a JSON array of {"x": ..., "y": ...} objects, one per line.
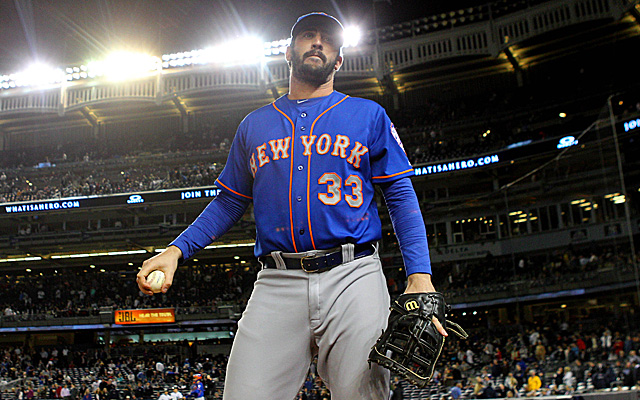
[{"x": 320, "y": 21}]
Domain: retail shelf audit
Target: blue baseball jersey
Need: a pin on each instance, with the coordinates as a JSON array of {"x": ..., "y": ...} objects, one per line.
[
  {"x": 309, "y": 167},
  {"x": 197, "y": 389}
]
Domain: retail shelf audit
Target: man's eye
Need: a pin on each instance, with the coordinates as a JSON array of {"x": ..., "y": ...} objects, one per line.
[{"x": 308, "y": 35}]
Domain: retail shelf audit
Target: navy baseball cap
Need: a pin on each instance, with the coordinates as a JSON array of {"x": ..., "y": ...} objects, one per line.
[{"x": 319, "y": 20}]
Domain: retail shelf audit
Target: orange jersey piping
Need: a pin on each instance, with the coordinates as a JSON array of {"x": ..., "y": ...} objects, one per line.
[
  {"x": 233, "y": 191},
  {"x": 390, "y": 176}
]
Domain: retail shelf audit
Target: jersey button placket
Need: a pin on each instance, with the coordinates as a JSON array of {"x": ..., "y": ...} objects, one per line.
[{"x": 301, "y": 179}]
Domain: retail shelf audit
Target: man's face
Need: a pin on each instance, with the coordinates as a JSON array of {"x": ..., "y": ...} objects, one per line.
[{"x": 314, "y": 56}]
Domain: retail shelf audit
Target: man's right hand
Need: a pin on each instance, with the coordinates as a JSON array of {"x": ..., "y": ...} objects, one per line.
[{"x": 167, "y": 262}]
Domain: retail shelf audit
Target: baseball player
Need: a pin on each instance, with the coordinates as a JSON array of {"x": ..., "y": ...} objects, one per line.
[{"x": 309, "y": 162}]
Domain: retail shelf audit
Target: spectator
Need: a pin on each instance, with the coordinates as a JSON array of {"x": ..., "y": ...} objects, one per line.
[
  {"x": 456, "y": 391},
  {"x": 176, "y": 395},
  {"x": 73, "y": 392},
  {"x": 65, "y": 393},
  {"x": 478, "y": 388},
  {"x": 511, "y": 383},
  {"x": 501, "y": 391},
  {"x": 533, "y": 383},
  {"x": 568, "y": 378},
  {"x": 519, "y": 374},
  {"x": 160, "y": 368},
  {"x": 540, "y": 351},
  {"x": 397, "y": 392}
]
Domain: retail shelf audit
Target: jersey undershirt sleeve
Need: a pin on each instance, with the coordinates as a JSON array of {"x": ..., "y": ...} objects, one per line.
[
  {"x": 216, "y": 219},
  {"x": 408, "y": 225}
]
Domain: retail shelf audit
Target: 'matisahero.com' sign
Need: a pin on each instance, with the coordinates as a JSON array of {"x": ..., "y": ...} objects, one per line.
[{"x": 108, "y": 201}]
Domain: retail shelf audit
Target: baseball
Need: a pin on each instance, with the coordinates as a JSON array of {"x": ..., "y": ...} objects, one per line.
[{"x": 156, "y": 280}]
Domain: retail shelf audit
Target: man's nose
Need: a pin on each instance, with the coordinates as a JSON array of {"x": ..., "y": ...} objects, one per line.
[{"x": 317, "y": 42}]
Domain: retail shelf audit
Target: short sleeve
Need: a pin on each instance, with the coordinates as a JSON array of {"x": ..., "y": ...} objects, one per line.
[
  {"x": 389, "y": 161},
  {"x": 236, "y": 177}
]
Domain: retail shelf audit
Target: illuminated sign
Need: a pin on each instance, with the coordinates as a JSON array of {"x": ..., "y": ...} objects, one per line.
[
  {"x": 523, "y": 143},
  {"x": 567, "y": 141},
  {"x": 110, "y": 200},
  {"x": 631, "y": 125},
  {"x": 134, "y": 199},
  {"x": 41, "y": 206},
  {"x": 150, "y": 316},
  {"x": 518, "y": 151},
  {"x": 195, "y": 194},
  {"x": 457, "y": 165}
]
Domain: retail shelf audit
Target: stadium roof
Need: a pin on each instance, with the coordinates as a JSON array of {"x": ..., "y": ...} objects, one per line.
[
  {"x": 77, "y": 29},
  {"x": 66, "y": 32}
]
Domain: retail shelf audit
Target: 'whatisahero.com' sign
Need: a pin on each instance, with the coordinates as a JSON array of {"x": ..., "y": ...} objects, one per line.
[
  {"x": 44, "y": 206},
  {"x": 457, "y": 165}
]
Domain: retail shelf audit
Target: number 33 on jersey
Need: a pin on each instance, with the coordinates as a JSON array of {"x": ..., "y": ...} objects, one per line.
[{"x": 309, "y": 167}]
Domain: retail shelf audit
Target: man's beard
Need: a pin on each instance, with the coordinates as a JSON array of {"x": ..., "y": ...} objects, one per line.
[{"x": 310, "y": 73}]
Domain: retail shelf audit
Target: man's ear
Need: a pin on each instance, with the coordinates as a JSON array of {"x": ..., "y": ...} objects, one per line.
[
  {"x": 287, "y": 54},
  {"x": 339, "y": 60}
]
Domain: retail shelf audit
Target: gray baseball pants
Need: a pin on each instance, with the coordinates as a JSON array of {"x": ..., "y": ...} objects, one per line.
[{"x": 293, "y": 315}]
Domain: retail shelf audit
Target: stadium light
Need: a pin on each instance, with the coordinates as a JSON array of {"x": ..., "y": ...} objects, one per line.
[
  {"x": 276, "y": 47},
  {"x": 19, "y": 259},
  {"x": 129, "y": 65},
  {"x": 217, "y": 246},
  {"x": 618, "y": 199},
  {"x": 97, "y": 254},
  {"x": 123, "y": 65},
  {"x": 352, "y": 35},
  {"x": 247, "y": 50},
  {"x": 36, "y": 75}
]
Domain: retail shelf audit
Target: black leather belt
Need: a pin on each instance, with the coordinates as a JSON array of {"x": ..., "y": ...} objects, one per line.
[{"x": 319, "y": 262}]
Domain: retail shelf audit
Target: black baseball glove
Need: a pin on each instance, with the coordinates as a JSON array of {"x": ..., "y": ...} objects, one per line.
[{"x": 411, "y": 344}]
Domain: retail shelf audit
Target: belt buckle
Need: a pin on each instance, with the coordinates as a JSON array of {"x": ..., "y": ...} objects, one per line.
[
  {"x": 310, "y": 271},
  {"x": 302, "y": 264}
]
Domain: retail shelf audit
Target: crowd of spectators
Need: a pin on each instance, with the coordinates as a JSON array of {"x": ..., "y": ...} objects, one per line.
[
  {"x": 431, "y": 131},
  {"x": 68, "y": 293},
  {"x": 533, "y": 359},
  {"x": 542, "y": 359},
  {"x": 115, "y": 146},
  {"x": 524, "y": 274},
  {"x": 566, "y": 265},
  {"x": 202, "y": 288},
  {"x": 91, "y": 180},
  {"x": 487, "y": 123},
  {"x": 69, "y": 373},
  {"x": 131, "y": 163}
]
